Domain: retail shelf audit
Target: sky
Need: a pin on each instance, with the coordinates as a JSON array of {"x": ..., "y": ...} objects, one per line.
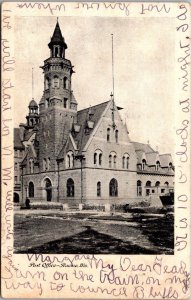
[{"x": 144, "y": 69}]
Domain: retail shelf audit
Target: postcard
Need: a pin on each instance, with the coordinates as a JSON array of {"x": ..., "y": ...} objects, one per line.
[{"x": 95, "y": 150}]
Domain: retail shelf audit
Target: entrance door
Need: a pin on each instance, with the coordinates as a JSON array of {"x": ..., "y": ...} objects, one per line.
[{"x": 48, "y": 188}]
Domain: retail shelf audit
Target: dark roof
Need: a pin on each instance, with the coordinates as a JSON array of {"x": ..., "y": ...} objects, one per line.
[
  {"x": 143, "y": 147},
  {"x": 33, "y": 103},
  {"x": 82, "y": 137},
  {"x": 57, "y": 37},
  {"x": 17, "y": 140},
  {"x": 165, "y": 159}
]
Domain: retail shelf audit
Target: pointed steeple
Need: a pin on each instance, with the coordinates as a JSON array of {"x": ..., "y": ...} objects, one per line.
[{"x": 57, "y": 40}]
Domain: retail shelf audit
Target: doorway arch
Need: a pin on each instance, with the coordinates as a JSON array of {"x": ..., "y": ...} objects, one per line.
[{"x": 48, "y": 189}]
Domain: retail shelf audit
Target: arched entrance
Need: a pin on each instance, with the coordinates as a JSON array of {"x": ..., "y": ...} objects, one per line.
[
  {"x": 16, "y": 198},
  {"x": 113, "y": 188},
  {"x": 48, "y": 189}
]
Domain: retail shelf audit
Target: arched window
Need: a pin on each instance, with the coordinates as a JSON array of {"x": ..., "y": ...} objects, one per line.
[
  {"x": 48, "y": 164},
  {"x": 100, "y": 159},
  {"x": 44, "y": 164},
  {"x": 56, "y": 81},
  {"x": 113, "y": 188},
  {"x": 157, "y": 183},
  {"x": 65, "y": 83},
  {"x": 148, "y": 185},
  {"x": 70, "y": 160},
  {"x": 110, "y": 160},
  {"x": 47, "y": 102},
  {"x": 31, "y": 166},
  {"x": 114, "y": 161},
  {"x": 47, "y": 82},
  {"x": 143, "y": 164},
  {"x": 31, "y": 189},
  {"x": 116, "y": 135},
  {"x": 125, "y": 161},
  {"x": 157, "y": 165},
  {"x": 108, "y": 134},
  {"x": 166, "y": 183},
  {"x": 95, "y": 158},
  {"x": 98, "y": 189},
  {"x": 70, "y": 187},
  {"x": 170, "y": 166},
  {"x": 139, "y": 188},
  {"x": 57, "y": 51}
]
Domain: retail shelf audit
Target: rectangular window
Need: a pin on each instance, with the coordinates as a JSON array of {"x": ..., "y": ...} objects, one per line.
[
  {"x": 162, "y": 191},
  {"x": 15, "y": 178}
]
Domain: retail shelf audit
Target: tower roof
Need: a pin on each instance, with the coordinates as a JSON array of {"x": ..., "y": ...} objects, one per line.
[
  {"x": 57, "y": 37},
  {"x": 33, "y": 103}
]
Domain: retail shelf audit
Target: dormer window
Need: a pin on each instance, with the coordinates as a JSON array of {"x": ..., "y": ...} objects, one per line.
[
  {"x": 157, "y": 165},
  {"x": 144, "y": 164}
]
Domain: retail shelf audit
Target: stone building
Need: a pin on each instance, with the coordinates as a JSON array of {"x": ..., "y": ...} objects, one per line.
[{"x": 84, "y": 156}]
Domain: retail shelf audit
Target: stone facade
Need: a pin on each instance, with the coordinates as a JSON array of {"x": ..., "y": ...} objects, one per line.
[{"x": 84, "y": 156}]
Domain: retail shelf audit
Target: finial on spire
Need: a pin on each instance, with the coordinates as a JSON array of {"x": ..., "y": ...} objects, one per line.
[
  {"x": 57, "y": 19},
  {"x": 148, "y": 142},
  {"x": 112, "y": 57}
]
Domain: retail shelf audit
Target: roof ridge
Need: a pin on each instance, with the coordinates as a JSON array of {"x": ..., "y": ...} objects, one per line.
[{"x": 93, "y": 106}]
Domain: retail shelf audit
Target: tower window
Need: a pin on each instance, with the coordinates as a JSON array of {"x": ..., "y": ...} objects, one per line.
[
  {"x": 65, "y": 102},
  {"x": 47, "y": 102},
  {"x": 65, "y": 83},
  {"x": 56, "y": 81},
  {"x": 57, "y": 51},
  {"x": 47, "y": 81}
]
